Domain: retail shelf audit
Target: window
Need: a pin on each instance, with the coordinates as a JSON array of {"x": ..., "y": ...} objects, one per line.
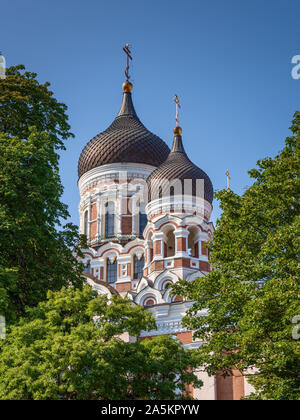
[
  {"x": 87, "y": 268},
  {"x": 160, "y": 192},
  {"x": 150, "y": 244},
  {"x": 112, "y": 271},
  {"x": 109, "y": 220},
  {"x": 86, "y": 223},
  {"x": 172, "y": 198},
  {"x": 138, "y": 267},
  {"x": 142, "y": 223}
]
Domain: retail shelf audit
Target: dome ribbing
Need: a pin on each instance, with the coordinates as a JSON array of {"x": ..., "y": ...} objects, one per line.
[{"x": 125, "y": 140}]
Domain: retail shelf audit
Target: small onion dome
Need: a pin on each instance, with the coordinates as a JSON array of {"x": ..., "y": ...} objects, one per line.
[
  {"x": 178, "y": 167},
  {"x": 125, "y": 140}
]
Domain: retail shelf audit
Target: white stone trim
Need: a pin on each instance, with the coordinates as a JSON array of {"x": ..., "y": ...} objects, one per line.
[{"x": 112, "y": 172}]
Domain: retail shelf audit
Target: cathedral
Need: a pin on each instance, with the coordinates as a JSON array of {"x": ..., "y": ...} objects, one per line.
[{"x": 145, "y": 210}]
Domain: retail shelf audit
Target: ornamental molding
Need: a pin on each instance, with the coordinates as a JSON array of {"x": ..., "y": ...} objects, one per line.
[
  {"x": 165, "y": 327},
  {"x": 120, "y": 172},
  {"x": 195, "y": 205}
]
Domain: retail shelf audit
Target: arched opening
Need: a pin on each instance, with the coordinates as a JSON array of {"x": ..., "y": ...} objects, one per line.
[
  {"x": 112, "y": 271},
  {"x": 169, "y": 242},
  {"x": 138, "y": 266},
  {"x": 86, "y": 223},
  {"x": 109, "y": 219},
  {"x": 193, "y": 248}
]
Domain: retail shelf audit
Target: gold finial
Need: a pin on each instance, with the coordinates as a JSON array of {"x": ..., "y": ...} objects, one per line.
[
  {"x": 127, "y": 86},
  {"x": 177, "y": 129},
  {"x": 228, "y": 178}
]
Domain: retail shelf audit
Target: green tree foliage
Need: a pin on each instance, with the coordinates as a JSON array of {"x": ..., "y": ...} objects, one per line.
[
  {"x": 34, "y": 255},
  {"x": 252, "y": 294},
  {"x": 70, "y": 347},
  {"x": 26, "y": 103}
]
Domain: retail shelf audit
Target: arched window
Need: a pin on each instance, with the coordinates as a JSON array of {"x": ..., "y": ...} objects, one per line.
[
  {"x": 86, "y": 223},
  {"x": 142, "y": 223},
  {"x": 112, "y": 271},
  {"x": 138, "y": 267},
  {"x": 109, "y": 219},
  {"x": 172, "y": 198}
]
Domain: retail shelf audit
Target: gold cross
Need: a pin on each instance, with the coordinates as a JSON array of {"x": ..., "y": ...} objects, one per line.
[
  {"x": 127, "y": 51},
  {"x": 176, "y": 100},
  {"x": 228, "y": 178}
]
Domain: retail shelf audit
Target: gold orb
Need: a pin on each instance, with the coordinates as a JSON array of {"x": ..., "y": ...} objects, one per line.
[
  {"x": 127, "y": 86},
  {"x": 177, "y": 130}
]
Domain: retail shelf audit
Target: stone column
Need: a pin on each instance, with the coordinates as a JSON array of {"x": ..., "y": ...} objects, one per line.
[
  {"x": 89, "y": 221},
  {"x": 181, "y": 242},
  {"x": 158, "y": 245},
  {"x": 98, "y": 218}
]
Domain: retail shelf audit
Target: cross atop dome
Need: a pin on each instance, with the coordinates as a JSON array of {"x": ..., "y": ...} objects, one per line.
[
  {"x": 127, "y": 86},
  {"x": 126, "y": 140},
  {"x": 177, "y": 129}
]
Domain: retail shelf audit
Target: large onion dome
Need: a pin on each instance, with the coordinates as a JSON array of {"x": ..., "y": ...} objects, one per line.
[
  {"x": 125, "y": 140},
  {"x": 179, "y": 167}
]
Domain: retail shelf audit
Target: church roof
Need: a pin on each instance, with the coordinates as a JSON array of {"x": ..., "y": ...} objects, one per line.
[
  {"x": 125, "y": 140},
  {"x": 179, "y": 167}
]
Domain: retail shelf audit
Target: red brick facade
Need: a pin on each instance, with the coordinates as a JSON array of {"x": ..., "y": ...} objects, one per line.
[
  {"x": 126, "y": 225},
  {"x": 123, "y": 287}
]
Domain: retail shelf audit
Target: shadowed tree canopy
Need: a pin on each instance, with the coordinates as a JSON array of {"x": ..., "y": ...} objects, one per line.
[{"x": 252, "y": 294}]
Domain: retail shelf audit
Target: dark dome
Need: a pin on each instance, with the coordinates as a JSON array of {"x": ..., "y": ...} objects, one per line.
[
  {"x": 178, "y": 166},
  {"x": 125, "y": 140}
]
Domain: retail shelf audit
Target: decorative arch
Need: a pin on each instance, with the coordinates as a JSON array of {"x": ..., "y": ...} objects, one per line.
[
  {"x": 195, "y": 275},
  {"x": 148, "y": 292},
  {"x": 165, "y": 284},
  {"x": 176, "y": 299},
  {"x": 149, "y": 301},
  {"x": 164, "y": 276}
]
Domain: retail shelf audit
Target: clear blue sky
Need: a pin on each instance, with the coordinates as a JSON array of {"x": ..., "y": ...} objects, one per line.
[{"x": 228, "y": 61}]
